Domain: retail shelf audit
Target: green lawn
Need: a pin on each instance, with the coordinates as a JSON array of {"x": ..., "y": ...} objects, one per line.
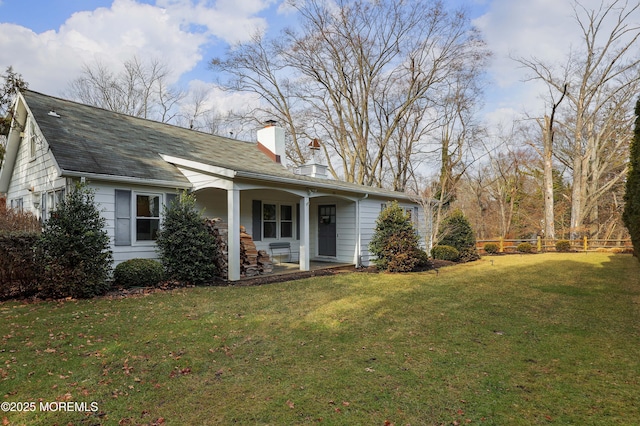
[{"x": 508, "y": 340}]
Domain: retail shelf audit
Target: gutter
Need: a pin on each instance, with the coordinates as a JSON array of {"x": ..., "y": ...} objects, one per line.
[
  {"x": 300, "y": 182},
  {"x": 126, "y": 179}
]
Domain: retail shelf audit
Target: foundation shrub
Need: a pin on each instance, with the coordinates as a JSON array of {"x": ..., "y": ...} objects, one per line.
[
  {"x": 395, "y": 241},
  {"x": 186, "y": 248},
  {"x": 138, "y": 273},
  {"x": 74, "y": 249}
]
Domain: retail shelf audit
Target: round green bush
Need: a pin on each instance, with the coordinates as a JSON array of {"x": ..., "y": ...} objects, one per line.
[
  {"x": 563, "y": 245},
  {"x": 138, "y": 273},
  {"x": 491, "y": 248},
  {"x": 443, "y": 252},
  {"x": 524, "y": 248},
  {"x": 395, "y": 243}
]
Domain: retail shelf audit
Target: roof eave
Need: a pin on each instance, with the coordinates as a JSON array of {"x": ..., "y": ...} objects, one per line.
[
  {"x": 127, "y": 179},
  {"x": 329, "y": 185}
]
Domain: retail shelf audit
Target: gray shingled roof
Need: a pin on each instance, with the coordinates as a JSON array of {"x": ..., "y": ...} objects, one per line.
[{"x": 87, "y": 139}]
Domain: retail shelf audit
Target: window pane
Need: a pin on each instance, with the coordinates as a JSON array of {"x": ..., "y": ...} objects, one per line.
[
  {"x": 286, "y": 230},
  {"x": 59, "y": 196},
  {"x": 286, "y": 213},
  {"x": 269, "y": 212},
  {"x": 147, "y": 205},
  {"x": 269, "y": 229},
  {"x": 147, "y": 229}
]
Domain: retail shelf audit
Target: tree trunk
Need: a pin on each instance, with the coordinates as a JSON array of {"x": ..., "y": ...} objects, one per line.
[{"x": 549, "y": 217}]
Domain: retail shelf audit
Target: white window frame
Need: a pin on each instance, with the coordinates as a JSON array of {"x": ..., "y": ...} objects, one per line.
[
  {"x": 50, "y": 201},
  {"x": 278, "y": 220},
  {"x": 17, "y": 204},
  {"x": 137, "y": 217}
]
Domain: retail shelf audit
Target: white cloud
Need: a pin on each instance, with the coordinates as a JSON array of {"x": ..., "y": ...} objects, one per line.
[
  {"x": 546, "y": 30},
  {"x": 229, "y": 20},
  {"x": 176, "y": 32},
  {"x": 524, "y": 29}
]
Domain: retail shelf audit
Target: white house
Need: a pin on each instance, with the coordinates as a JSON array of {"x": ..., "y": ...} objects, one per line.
[{"x": 135, "y": 166}]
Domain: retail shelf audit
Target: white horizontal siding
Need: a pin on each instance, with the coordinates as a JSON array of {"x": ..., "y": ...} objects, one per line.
[
  {"x": 370, "y": 209},
  {"x": 347, "y": 233},
  {"x": 33, "y": 176},
  {"x": 104, "y": 196}
]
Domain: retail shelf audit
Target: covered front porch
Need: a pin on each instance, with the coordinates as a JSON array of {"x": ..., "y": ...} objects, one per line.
[{"x": 300, "y": 230}]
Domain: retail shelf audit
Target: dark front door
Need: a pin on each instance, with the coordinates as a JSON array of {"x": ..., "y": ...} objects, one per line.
[{"x": 327, "y": 230}]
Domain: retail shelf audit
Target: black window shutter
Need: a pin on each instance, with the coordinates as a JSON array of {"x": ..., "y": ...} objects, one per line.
[
  {"x": 257, "y": 220},
  {"x": 123, "y": 218},
  {"x": 297, "y": 221}
]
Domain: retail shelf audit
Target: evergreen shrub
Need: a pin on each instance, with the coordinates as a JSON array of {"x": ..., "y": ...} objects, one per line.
[
  {"x": 563, "y": 246},
  {"x": 74, "y": 248},
  {"x": 186, "y": 249},
  {"x": 443, "y": 252},
  {"x": 395, "y": 241},
  {"x": 525, "y": 248},
  {"x": 491, "y": 248},
  {"x": 455, "y": 231},
  {"x": 138, "y": 273}
]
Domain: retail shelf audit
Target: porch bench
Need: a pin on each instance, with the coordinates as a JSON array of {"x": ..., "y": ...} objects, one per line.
[{"x": 281, "y": 249}]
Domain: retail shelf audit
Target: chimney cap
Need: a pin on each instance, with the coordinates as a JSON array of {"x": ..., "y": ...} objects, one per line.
[{"x": 270, "y": 123}]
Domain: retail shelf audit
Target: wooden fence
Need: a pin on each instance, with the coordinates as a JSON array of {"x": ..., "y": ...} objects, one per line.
[{"x": 542, "y": 245}]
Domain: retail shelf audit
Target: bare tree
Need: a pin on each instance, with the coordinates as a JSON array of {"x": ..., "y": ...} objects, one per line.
[
  {"x": 360, "y": 76},
  {"x": 546, "y": 153},
  {"x": 195, "y": 110},
  {"x": 600, "y": 80},
  {"x": 139, "y": 89},
  {"x": 258, "y": 67}
]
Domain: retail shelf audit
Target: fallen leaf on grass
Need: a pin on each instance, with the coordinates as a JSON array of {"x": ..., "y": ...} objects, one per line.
[
  {"x": 183, "y": 372},
  {"x": 291, "y": 404}
]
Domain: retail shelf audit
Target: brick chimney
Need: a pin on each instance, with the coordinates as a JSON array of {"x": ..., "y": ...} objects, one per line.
[{"x": 271, "y": 142}]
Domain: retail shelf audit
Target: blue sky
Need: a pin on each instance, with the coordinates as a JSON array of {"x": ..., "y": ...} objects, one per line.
[{"x": 48, "y": 41}]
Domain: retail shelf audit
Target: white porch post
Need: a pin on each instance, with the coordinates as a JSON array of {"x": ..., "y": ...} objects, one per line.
[
  {"x": 233, "y": 244},
  {"x": 356, "y": 259},
  {"x": 304, "y": 237}
]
